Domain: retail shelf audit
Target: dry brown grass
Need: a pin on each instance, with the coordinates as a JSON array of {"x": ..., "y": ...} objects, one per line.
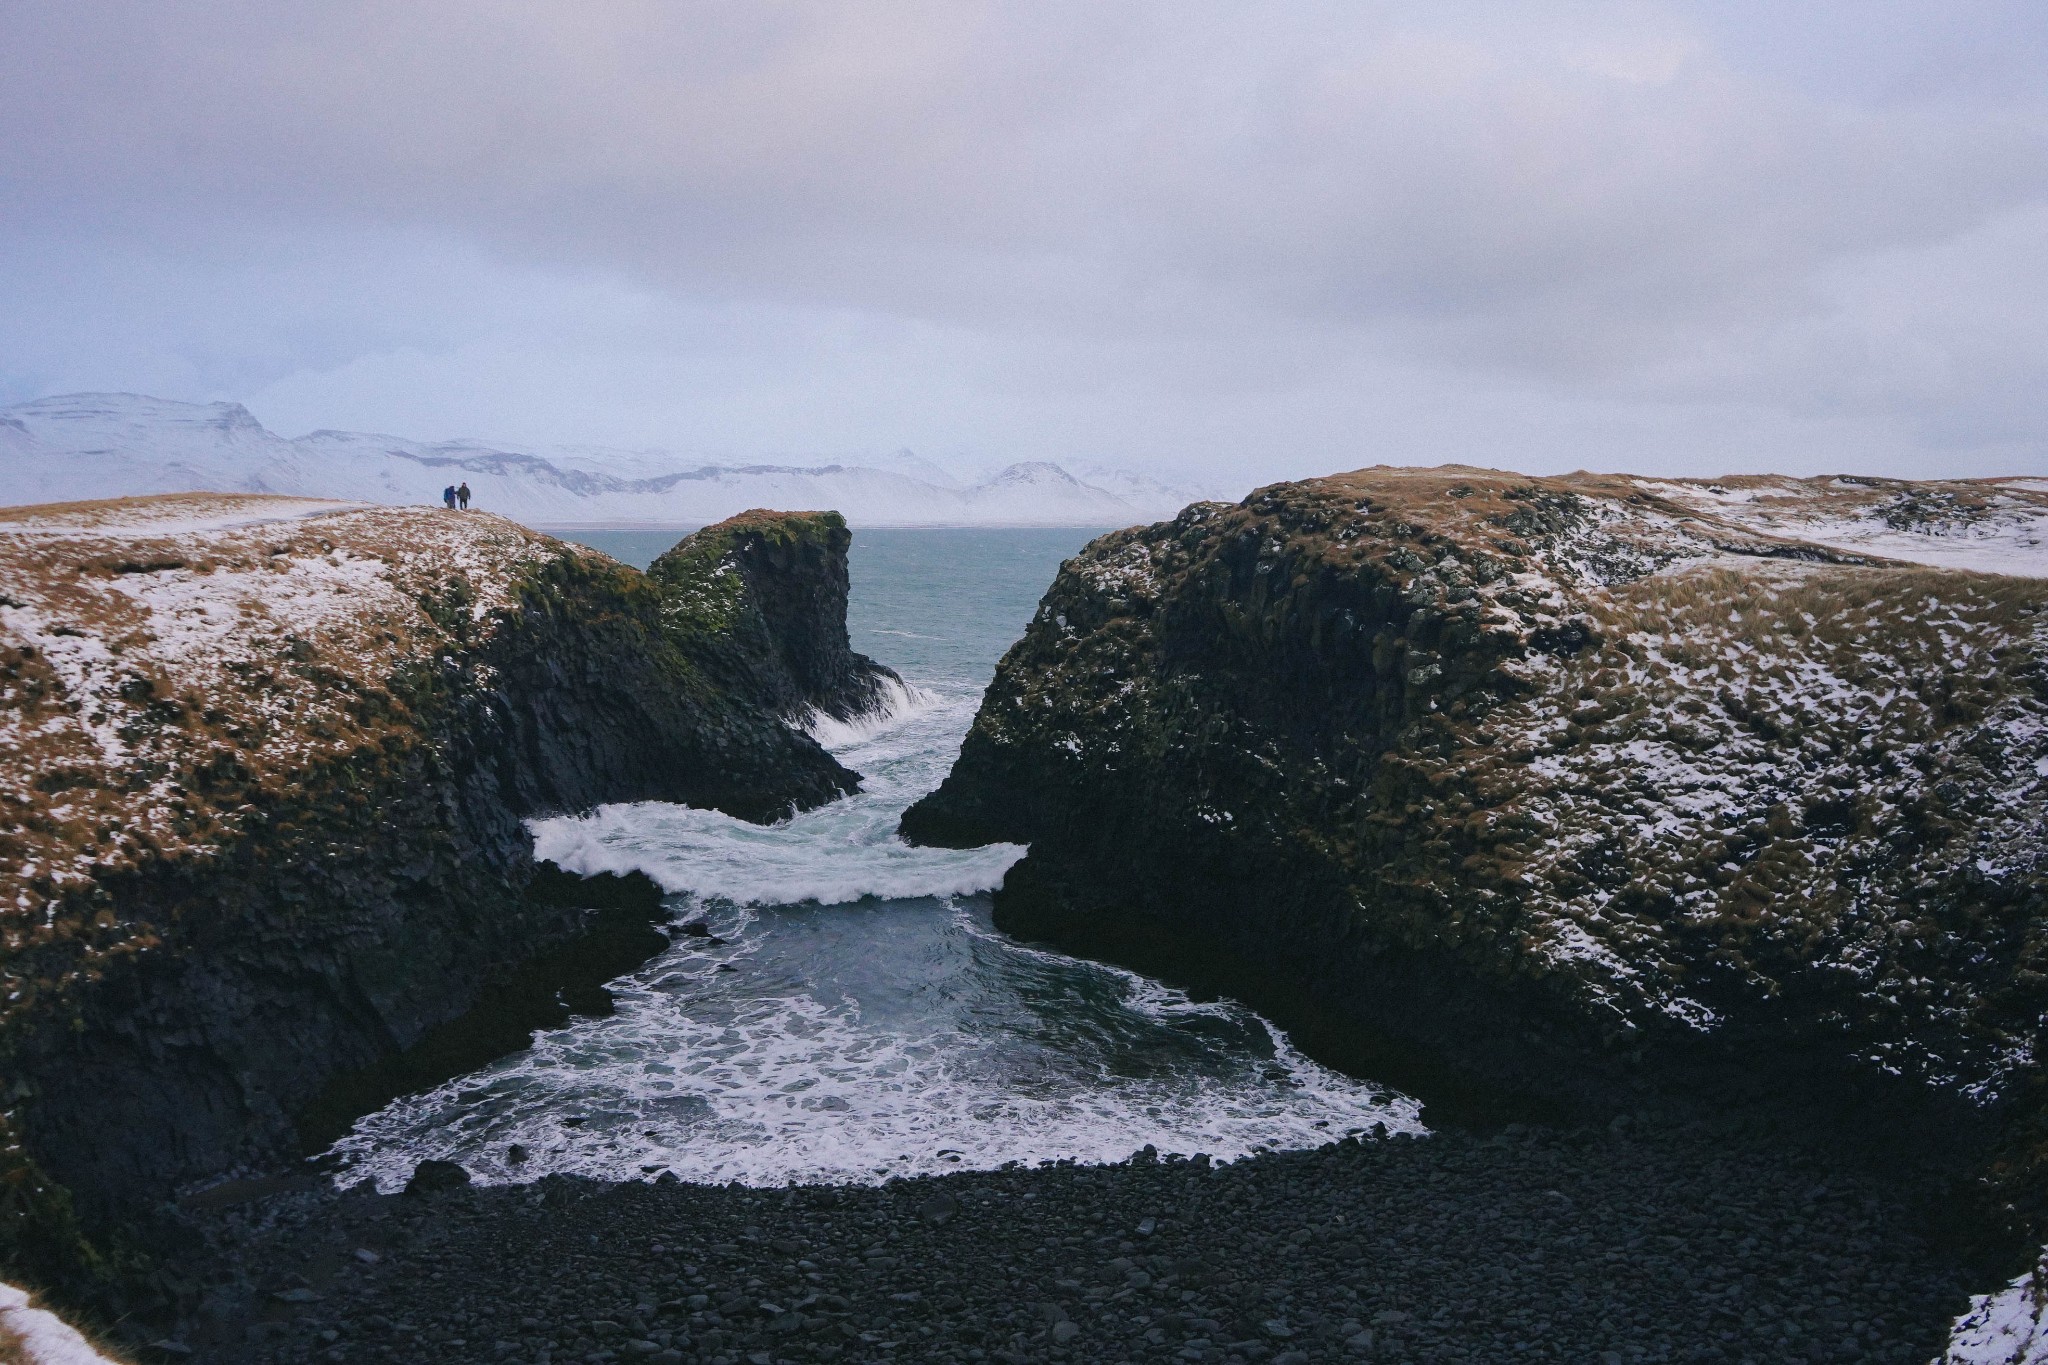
[{"x": 171, "y": 667}]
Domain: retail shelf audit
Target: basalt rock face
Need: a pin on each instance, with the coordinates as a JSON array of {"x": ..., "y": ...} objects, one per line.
[
  {"x": 760, "y": 598},
  {"x": 1583, "y": 789},
  {"x": 266, "y": 765}
]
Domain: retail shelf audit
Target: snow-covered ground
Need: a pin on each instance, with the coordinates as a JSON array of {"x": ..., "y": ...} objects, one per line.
[
  {"x": 1986, "y": 525},
  {"x": 123, "y": 445},
  {"x": 2006, "y": 1328},
  {"x": 147, "y": 636},
  {"x": 40, "y": 1336}
]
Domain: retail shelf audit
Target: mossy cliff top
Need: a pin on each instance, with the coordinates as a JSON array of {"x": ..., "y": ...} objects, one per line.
[
  {"x": 174, "y": 671},
  {"x": 1564, "y": 786},
  {"x": 760, "y": 598},
  {"x": 263, "y": 768}
]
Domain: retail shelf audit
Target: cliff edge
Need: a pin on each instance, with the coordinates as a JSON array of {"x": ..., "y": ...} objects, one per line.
[
  {"x": 263, "y": 769},
  {"x": 760, "y": 598},
  {"x": 1583, "y": 789}
]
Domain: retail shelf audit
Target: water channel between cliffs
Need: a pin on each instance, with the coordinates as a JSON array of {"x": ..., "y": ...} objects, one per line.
[{"x": 853, "y": 1015}]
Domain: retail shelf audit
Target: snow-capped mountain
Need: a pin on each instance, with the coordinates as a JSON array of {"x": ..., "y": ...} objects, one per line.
[{"x": 97, "y": 445}]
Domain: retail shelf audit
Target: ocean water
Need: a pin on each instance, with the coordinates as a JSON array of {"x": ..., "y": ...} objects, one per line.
[{"x": 853, "y": 1014}]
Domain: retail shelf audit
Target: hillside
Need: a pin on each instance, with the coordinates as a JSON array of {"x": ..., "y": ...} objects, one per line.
[
  {"x": 264, "y": 764},
  {"x": 120, "y": 445},
  {"x": 1568, "y": 789}
]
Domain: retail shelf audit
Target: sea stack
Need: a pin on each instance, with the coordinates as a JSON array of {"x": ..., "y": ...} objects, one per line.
[{"x": 760, "y": 600}]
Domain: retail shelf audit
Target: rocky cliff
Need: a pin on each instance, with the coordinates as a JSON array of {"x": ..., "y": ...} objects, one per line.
[
  {"x": 263, "y": 770},
  {"x": 1584, "y": 789},
  {"x": 761, "y": 599}
]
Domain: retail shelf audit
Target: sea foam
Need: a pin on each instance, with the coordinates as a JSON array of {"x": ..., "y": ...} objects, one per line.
[
  {"x": 854, "y": 1015},
  {"x": 856, "y": 1044}
]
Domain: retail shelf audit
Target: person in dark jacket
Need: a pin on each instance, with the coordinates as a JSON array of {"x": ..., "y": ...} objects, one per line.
[
  {"x": 462, "y": 495},
  {"x": 448, "y": 496}
]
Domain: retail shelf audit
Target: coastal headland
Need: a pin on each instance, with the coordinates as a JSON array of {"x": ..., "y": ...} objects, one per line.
[
  {"x": 1678, "y": 843},
  {"x": 267, "y": 763}
]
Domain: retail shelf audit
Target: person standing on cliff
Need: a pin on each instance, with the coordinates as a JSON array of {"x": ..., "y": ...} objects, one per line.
[
  {"x": 462, "y": 495},
  {"x": 448, "y": 496}
]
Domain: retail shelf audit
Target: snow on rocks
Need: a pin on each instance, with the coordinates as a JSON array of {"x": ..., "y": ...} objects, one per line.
[
  {"x": 40, "y": 1336},
  {"x": 1630, "y": 772},
  {"x": 150, "y": 648},
  {"x": 1733, "y": 710},
  {"x": 1641, "y": 753},
  {"x": 2009, "y": 1327}
]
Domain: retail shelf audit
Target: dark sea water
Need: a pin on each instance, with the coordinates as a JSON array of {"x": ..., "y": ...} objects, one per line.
[{"x": 862, "y": 1018}]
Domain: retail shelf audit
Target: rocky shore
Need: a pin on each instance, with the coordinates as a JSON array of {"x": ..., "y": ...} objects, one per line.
[
  {"x": 262, "y": 855},
  {"x": 1635, "y": 1242}
]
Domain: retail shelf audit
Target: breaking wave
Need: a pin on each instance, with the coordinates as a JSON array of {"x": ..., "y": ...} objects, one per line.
[
  {"x": 899, "y": 701},
  {"x": 833, "y": 855}
]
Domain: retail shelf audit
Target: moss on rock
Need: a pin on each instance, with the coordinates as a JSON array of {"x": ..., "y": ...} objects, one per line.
[
  {"x": 759, "y": 601},
  {"x": 1545, "y": 788}
]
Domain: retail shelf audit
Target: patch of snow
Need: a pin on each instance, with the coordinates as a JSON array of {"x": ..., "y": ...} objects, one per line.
[
  {"x": 2005, "y": 1328},
  {"x": 2014, "y": 545},
  {"x": 45, "y": 1338},
  {"x": 188, "y": 630}
]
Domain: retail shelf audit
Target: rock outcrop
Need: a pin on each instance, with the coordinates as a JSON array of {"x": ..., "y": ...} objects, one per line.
[
  {"x": 761, "y": 599},
  {"x": 263, "y": 770},
  {"x": 1583, "y": 789}
]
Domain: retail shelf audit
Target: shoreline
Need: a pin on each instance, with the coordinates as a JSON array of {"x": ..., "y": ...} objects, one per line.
[{"x": 1641, "y": 1241}]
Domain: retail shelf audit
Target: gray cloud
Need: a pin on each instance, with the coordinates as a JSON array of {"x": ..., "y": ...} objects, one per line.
[{"x": 1277, "y": 238}]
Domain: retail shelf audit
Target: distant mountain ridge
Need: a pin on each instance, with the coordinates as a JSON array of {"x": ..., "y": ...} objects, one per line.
[{"x": 98, "y": 445}]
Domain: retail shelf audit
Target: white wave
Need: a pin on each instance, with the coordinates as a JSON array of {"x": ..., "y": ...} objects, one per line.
[
  {"x": 766, "y": 1075},
  {"x": 836, "y": 854},
  {"x": 710, "y": 854},
  {"x": 899, "y": 701}
]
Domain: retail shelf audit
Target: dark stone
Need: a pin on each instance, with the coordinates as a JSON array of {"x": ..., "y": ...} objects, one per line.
[
  {"x": 781, "y": 636},
  {"x": 432, "y": 1177}
]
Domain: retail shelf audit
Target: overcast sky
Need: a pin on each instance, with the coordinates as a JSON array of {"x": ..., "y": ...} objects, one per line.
[{"x": 1233, "y": 241}]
